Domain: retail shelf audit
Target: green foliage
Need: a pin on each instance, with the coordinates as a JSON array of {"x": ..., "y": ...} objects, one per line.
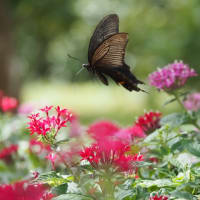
[
  {"x": 54, "y": 179},
  {"x": 72, "y": 196}
]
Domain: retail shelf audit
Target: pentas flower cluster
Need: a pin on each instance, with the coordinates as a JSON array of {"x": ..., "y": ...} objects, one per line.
[
  {"x": 7, "y": 152},
  {"x": 156, "y": 197},
  {"x": 48, "y": 126},
  {"x": 108, "y": 153},
  {"x": 192, "y": 102},
  {"x": 149, "y": 122},
  {"x": 23, "y": 190},
  {"x": 111, "y": 148},
  {"x": 173, "y": 76},
  {"x": 102, "y": 129},
  {"x": 7, "y": 103}
]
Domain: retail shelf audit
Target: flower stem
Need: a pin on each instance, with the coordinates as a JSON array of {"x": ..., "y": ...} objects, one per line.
[
  {"x": 179, "y": 101},
  {"x": 194, "y": 122}
]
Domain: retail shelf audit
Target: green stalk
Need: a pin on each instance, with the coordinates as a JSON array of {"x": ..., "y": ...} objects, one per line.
[{"x": 181, "y": 104}]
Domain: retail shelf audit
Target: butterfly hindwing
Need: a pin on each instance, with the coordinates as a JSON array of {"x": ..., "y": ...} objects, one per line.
[{"x": 108, "y": 26}]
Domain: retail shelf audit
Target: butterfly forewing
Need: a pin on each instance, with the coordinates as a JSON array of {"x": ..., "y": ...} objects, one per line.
[
  {"x": 107, "y": 27},
  {"x": 115, "y": 46}
]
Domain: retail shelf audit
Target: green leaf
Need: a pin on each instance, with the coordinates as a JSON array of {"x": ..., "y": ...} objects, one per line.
[
  {"x": 157, "y": 183},
  {"x": 169, "y": 101},
  {"x": 61, "y": 189},
  {"x": 121, "y": 194},
  {"x": 194, "y": 149},
  {"x": 72, "y": 196},
  {"x": 54, "y": 179},
  {"x": 174, "y": 120},
  {"x": 182, "y": 195},
  {"x": 179, "y": 145},
  {"x": 143, "y": 164}
]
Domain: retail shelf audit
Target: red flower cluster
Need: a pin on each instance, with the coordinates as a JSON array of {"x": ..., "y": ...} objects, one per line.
[
  {"x": 6, "y": 153},
  {"x": 24, "y": 190},
  {"x": 149, "y": 122},
  {"x": 102, "y": 129},
  {"x": 107, "y": 153},
  {"x": 158, "y": 198},
  {"x": 44, "y": 125},
  {"x": 7, "y": 103}
]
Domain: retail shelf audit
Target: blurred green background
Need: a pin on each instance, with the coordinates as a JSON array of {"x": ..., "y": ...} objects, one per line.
[{"x": 36, "y": 36}]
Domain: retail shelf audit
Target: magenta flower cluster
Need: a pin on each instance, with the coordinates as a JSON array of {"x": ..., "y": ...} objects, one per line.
[
  {"x": 172, "y": 76},
  {"x": 192, "y": 101}
]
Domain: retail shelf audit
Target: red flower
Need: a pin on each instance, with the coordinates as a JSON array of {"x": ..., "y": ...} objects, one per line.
[
  {"x": 102, "y": 129},
  {"x": 8, "y": 103},
  {"x": 107, "y": 153},
  {"x": 154, "y": 159},
  {"x": 43, "y": 125},
  {"x": 24, "y": 191},
  {"x": 149, "y": 122},
  {"x": 158, "y": 198},
  {"x": 6, "y": 153}
]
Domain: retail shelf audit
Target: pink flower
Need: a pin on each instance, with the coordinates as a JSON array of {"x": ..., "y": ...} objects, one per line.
[
  {"x": 137, "y": 131},
  {"x": 124, "y": 134},
  {"x": 75, "y": 128},
  {"x": 8, "y": 103},
  {"x": 52, "y": 157},
  {"x": 23, "y": 190},
  {"x": 128, "y": 134},
  {"x": 102, "y": 129},
  {"x": 44, "y": 125},
  {"x": 149, "y": 122},
  {"x": 158, "y": 198},
  {"x": 192, "y": 102},
  {"x": 6, "y": 153},
  {"x": 172, "y": 76},
  {"x": 110, "y": 153},
  {"x": 38, "y": 147},
  {"x": 70, "y": 157},
  {"x": 25, "y": 108}
]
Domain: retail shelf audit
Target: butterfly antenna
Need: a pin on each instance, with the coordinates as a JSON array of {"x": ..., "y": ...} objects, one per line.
[{"x": 74, "y": 58}]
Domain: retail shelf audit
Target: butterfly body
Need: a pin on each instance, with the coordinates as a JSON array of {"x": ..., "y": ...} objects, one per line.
[{"x": 106, "y": 54}]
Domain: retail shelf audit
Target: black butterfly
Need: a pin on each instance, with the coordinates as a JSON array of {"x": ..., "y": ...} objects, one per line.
[{"x": 106, "y": 54}]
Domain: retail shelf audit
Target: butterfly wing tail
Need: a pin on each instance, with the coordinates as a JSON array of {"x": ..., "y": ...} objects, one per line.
[{"x": 124, "y": 77}]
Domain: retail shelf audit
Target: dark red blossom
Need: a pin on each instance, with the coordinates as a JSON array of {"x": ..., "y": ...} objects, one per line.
[
  {"x": 154, "y": 159},
  {"x": 44, "y": 125},
  {"x": 6, "y": 153},
  {"x": 24, "y": 191},
  {"x": 149, "y": 122},
  {"x": 102, "y": 129},
  {"x": 156, "y": 197},
  {"x": 107, "y": 153}
]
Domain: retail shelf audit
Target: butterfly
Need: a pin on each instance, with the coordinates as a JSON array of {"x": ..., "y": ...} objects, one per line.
[{"x": 106, "y": 54}]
